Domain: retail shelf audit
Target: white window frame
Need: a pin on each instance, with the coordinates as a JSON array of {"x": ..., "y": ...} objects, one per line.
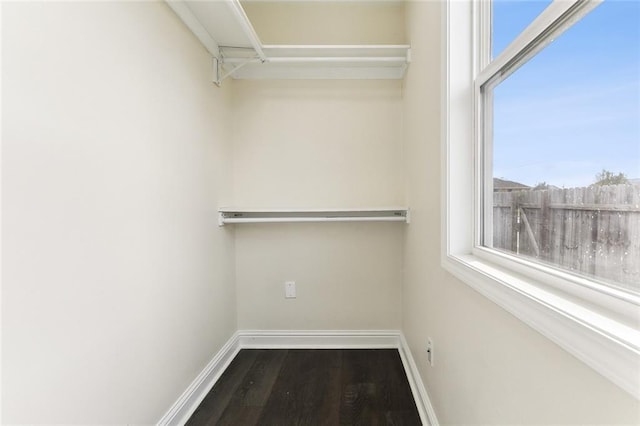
[{"x": 596, "y": 323}]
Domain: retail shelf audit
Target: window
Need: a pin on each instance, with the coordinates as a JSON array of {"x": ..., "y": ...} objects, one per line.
[
  {"x": 509, "y": 18},
  {"x": 541, "y": 146},
  {"x": 562, "y": 144}
]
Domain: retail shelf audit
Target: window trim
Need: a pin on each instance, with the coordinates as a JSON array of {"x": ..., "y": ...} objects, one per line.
[{"x": 598, "y": 325}]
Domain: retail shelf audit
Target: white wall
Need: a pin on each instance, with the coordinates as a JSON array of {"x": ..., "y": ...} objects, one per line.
[
  {"x": 327, "y": 22},
  {"x": 318, "y": 144},
  {"x": 490, "y": 368},
  {"x": 117, "y": 284},
  {"x": 347, "y": 276}
]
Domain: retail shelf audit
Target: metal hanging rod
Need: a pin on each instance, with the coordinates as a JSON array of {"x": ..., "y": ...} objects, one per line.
[
  {"x": 338, "y": 59},
  {"x": 237, "y": 216}
]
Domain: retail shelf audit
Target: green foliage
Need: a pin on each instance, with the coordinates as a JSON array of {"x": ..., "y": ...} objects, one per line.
[
  {"x": 609, "y": 178},
  {"x": 541, "y": 186}
]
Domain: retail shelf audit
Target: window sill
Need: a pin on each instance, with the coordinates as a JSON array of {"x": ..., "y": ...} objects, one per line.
[{"x": 607, "y": 345}]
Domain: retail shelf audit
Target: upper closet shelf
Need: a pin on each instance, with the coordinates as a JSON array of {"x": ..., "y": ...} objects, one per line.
[{"x": 224, "y": 29}]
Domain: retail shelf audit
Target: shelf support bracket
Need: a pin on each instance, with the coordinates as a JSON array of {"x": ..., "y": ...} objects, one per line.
[
  {"x": 219, "y": 77},
  {"x": 216, "y": 71}
]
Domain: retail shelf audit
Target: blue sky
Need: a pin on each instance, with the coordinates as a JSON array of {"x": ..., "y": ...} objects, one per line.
[{"x": 574, "y": 109}]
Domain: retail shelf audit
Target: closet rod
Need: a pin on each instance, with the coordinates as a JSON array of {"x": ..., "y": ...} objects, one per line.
[
  {"x": 314, "y": 219},
  {"x": 308, "y": 59},
  {"x": 228, "y": 216}
]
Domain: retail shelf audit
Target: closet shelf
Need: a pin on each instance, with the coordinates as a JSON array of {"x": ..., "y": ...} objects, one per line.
[
  {"x": 238, "y": 216},
  {"x": 319, "y": 62},
  {"x": 225, "y": 30}
]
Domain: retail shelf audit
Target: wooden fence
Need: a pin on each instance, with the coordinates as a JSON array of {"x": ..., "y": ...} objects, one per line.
[{"x": 593, "y": 230}]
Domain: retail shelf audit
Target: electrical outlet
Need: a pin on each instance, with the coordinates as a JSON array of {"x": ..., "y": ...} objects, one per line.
[
  {"x": 430, "y": 351},
  {"x": 290, "y": 290}
]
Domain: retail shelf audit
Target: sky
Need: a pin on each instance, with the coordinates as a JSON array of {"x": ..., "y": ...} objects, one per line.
[{"x": 574, "y": 109}]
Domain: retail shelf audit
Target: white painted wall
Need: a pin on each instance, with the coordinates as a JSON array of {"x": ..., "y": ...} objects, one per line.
[
  {"x": 490, "y": 368},
  {"x": 347, "y": 276},
  {"x": 318, "y": 144},
  {"x": 306, "y": 22},
  {"x": 117, "y": 284}
]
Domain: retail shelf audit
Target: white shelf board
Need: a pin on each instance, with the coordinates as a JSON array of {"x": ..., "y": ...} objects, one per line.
[
  {"x": 235, "y": 215},
  {"x": 219, "y": 20},
  {"x": 224, "y": 29}
]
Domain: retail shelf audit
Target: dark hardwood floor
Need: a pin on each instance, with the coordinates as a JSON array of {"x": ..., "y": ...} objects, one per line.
[{"x": 310, "y": 387}]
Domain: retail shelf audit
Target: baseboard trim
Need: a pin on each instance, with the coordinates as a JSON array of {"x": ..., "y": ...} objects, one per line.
[
  {"x": 185, "y": 406},
  {"x": 319, "y": 339},
  {"x": 187, "y": 403},
  {"x": 420, "y": 395}
]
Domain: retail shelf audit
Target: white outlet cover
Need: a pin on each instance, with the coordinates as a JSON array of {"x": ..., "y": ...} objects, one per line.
[
  {"x": 290, "y": 290},
  {"x": 430, "y": 352}
]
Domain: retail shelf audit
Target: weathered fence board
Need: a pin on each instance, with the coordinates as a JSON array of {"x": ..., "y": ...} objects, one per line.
[{"x": 593, "y": 230}]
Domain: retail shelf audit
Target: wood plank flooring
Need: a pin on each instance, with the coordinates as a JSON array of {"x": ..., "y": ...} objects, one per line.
[{"x": 310, "y": 387}]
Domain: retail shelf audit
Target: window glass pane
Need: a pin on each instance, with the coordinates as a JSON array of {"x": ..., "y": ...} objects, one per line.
[
  {"x": 509, "y": 18},
  {"x": 566, "y": 151}
]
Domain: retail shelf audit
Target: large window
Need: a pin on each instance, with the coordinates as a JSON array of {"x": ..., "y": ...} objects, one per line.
[
  {"x": 541, "y": 152},
  {"x": 561, "y": 140}
]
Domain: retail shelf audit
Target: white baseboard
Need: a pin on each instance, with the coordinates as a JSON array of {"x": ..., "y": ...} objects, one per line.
[
  {"x": 318, "y": 339},
  {"x": 184, "y": 407},
  {"x": 420, "y": 395}
]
